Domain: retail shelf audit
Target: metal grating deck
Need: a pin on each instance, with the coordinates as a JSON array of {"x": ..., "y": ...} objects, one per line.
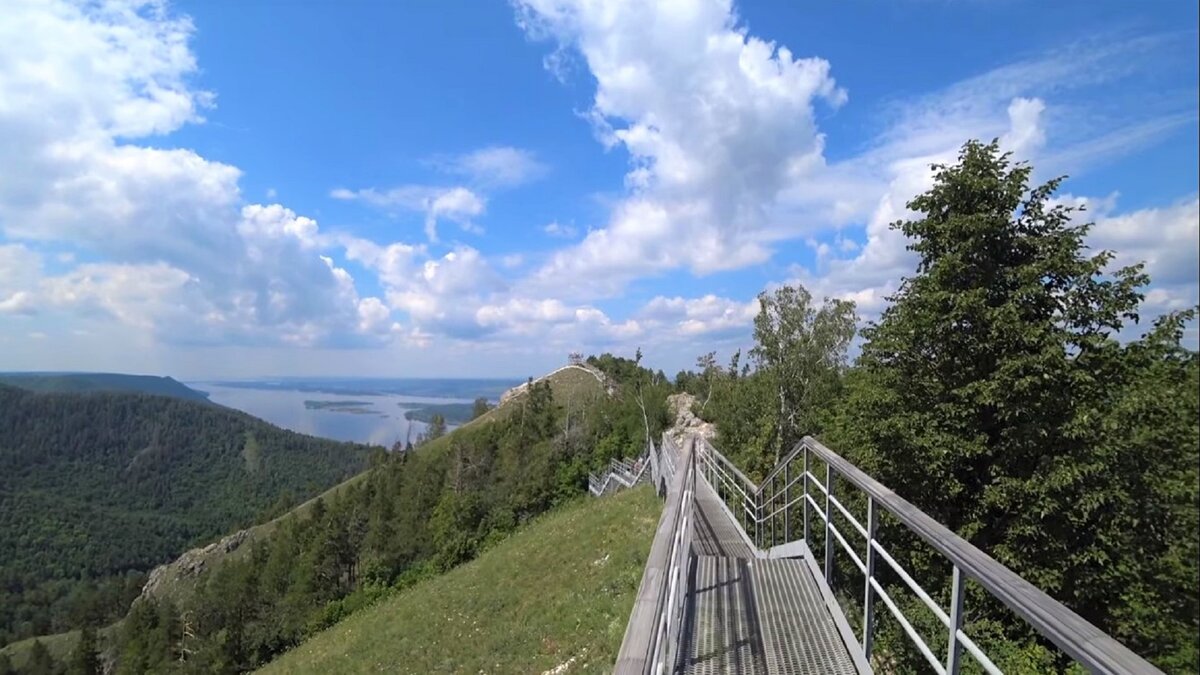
[
  {"x": 751, "y": 615},
  {"x": 759, "y": 616},
  {"x": 715, "y": 533}
]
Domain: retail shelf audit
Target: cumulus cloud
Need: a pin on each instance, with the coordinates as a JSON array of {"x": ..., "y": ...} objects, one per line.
[
  {"x": 182, "y": 256},
  {"x": 712, "y": 118},
  {"x": 708, "y": 316},
  {"x": 457, "y": 204}
]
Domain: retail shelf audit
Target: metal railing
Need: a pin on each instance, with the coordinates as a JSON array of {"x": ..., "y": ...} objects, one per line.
[
  {"x": 764, "y": 512},
  {"x": 652, "y": 636},
  {"x": 622, "y": 473}
]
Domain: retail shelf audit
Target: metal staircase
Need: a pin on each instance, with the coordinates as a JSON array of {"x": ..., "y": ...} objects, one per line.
[
  {"x": 732, "y": 586},
  {"x": 620, "y": 474}
]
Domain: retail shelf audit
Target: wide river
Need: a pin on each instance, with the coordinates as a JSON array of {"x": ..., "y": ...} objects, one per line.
[{"x": 384, "y": 424}]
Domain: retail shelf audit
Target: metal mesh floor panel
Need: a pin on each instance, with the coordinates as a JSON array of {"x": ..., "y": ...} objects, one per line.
[
  {"x": 759, "y": 616},
  {"x": 715, "y": 533}
]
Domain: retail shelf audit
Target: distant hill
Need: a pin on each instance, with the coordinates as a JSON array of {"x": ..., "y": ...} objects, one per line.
[
  {"x": 78, "y": 383},
  {"x": 102, "y": 486}
]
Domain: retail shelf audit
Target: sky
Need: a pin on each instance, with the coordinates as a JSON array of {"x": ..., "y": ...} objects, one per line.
[{"x": 211, "y": 188}]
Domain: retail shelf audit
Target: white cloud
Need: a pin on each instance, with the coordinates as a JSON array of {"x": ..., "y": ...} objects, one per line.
[
  {"x": 709, "y": 315},
  {"x": 557, "y": 229},
  {"x": 496, "y": 167},
  {"x": 457, "y": 204},
  {"x": 712, "y": 118},
  {"x": 182, "y": 257}
]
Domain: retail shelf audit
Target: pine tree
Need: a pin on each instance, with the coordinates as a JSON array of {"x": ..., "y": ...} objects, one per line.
[
  {"x": 85, "y": 659},
  {"x": 40, "y": 662}
]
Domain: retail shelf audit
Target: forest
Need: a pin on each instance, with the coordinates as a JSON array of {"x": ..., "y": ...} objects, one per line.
[
  {"x": 98, "y": 488},
  {"x": 417, "y": 513},
  {"x": 1006, "y": 392}
]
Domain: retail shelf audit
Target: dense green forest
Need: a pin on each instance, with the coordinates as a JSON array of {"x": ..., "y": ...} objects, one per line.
[
  {"x": 416, "y": 513},
  {"x": 78, "y": 383},
  {"x": 1001, "y": 393},
  {"x": 96, "y": 489}
]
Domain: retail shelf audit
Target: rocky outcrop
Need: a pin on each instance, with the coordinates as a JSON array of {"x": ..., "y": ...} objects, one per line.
[
  {"x": 686, "y": 423},
  {"x": 189, "y": 565}
]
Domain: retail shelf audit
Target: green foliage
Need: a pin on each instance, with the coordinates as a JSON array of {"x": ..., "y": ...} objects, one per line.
[
  {"x": 480, "y": 407},
  {"x": 801, "y": 350},
  {"x": 436, "y": 428},
  {"x": 993, "y": 394},
  {"x": 799, "y": 358},
  {"x": 96, "y": 489},
  {"x": 413, "y": 515},
  {"x": 40, "y": 662},
  {"x": 85, "y": 657}
]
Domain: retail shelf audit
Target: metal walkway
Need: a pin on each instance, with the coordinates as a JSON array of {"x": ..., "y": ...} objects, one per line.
[
  {"x": 746, "y": 614},
  {"x": 731, "y": 585}
]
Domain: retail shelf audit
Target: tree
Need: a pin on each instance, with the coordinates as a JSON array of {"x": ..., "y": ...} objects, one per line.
[
  {"x": 709, "y": 372},
  {"x": 803, "y": 350},
  {"x": 436, "y": 428},
  {"x": 85, "y": 659},
  {"x": 39, "y": 662},
  {"x": 480, "y": 407},
  {"x": 993, "y": 394}
]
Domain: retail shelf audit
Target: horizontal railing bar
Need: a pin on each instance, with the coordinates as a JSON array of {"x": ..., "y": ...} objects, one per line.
[
  {"x": 780, "y": 490},
  {"x": 816, "y": 483},
  {"x": 908, "y": 628},
  {"x": 912, "y": 583},
  {"x": 784, "y": 462},
  {"x": 853, "y": 521},
  {"x": 978, "y": 654},
  {"x": 1079, "y": 639},
  {"x": 727, "y": 480},
  {"x": 716, "y": 454},
  {"x": 814, "y": 505},
  {"x": 862, "y": 567},
  {"x": 780, "y": 510}
]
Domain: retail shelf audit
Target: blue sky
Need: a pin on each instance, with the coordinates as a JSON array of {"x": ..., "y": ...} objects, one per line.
[{"x": 477, "y": 188}]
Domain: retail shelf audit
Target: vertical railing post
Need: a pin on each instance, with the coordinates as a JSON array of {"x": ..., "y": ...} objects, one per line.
[
  {"x": 771, "y": 510},
  {"x": 954, "y": 658},
  {"x": 829, "y": 524},
  {"x": 807, "y": 541},
  {"x": 787, "y": 502},
  {"x": 868, "y": 640}
]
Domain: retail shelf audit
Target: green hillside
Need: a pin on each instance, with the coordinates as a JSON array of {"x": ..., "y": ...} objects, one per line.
[
  {"x": 104, "y": 486},
  {"x": 81, "y": 383},
  {"x": 416, "y": 515},
  {"x": 560, "y": 590}
]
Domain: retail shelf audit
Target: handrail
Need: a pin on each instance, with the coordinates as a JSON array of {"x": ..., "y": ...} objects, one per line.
[
  {"x": 652, "y": 634},
  {"x": 1079, "y": 639},
  {"x": 1074, "y": 635},
  {"x": 622, "y": 471}
]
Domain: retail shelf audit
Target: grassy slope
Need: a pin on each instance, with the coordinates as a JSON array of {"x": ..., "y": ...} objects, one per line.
[
  {"x": 572, "y": 386},
  {"x": 559, "y": 589}
]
